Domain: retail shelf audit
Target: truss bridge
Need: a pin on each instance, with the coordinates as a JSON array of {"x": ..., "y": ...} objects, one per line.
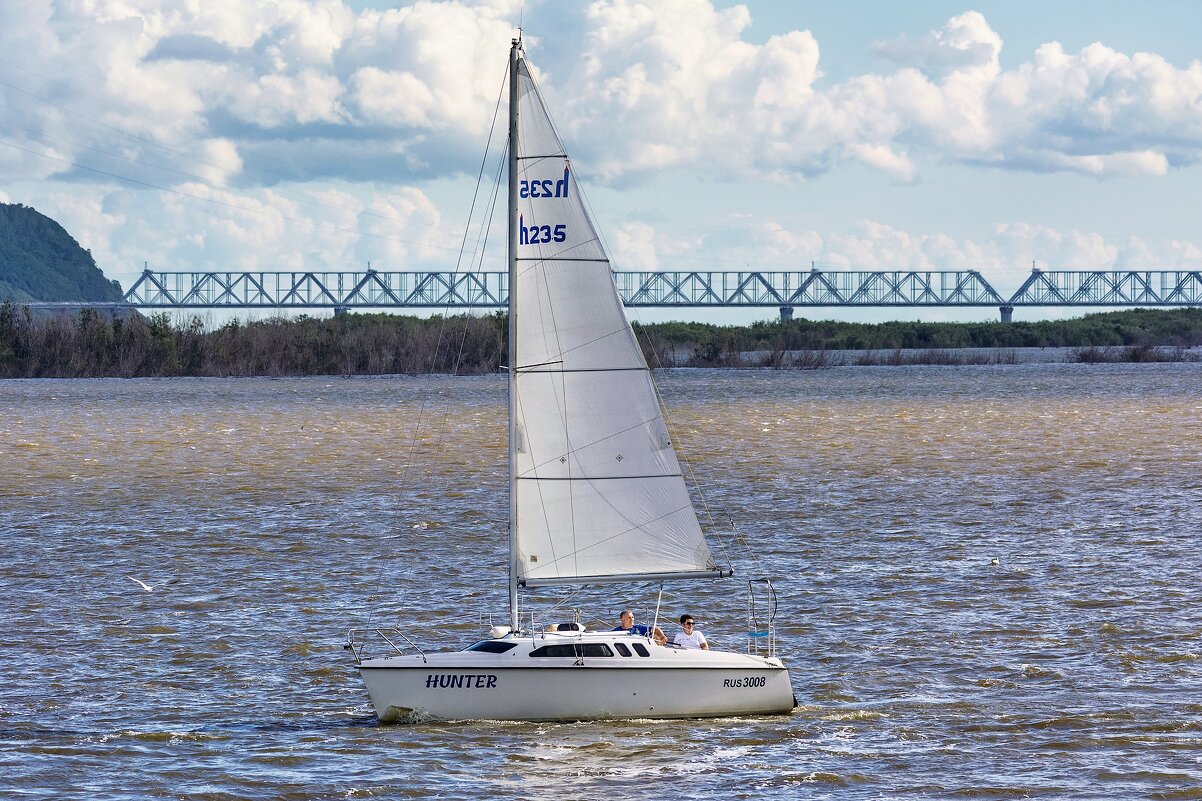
[{"x": 785, "y": 290}]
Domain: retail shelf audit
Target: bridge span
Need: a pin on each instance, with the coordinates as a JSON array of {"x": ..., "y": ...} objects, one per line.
[{"x": 785, "y": 290}]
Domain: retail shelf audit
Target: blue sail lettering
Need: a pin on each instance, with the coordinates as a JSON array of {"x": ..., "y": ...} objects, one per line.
[
  {"x": 540, "y": 234},
  {"x": 544, "y": 187}
]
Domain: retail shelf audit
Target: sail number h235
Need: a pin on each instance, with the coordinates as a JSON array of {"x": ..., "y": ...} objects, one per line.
[
  {"x": 536, "y": 188},
  {"x": 548, "y": 187}
]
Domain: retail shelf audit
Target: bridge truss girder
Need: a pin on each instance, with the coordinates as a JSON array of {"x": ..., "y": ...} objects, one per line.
[
  {"x": 1110, "y": 288},
  {"x": 811, "y": 288},
  {"x": 370, "y": 289}
]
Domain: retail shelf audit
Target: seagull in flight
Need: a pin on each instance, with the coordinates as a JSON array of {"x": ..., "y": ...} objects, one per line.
[{"x": 141, "y": 584}]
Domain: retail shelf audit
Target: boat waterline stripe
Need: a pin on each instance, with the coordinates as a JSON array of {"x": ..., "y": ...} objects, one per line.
[{"x": 595, "y": 478}]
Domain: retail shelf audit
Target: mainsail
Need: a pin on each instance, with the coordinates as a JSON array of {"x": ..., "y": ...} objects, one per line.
[{"x": 598, "y": 492}]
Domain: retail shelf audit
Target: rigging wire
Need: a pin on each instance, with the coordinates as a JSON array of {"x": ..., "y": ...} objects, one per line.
[
  {"x": 93, "y": 125},
  {"x": 682, "y": 456},
  {"x": 669, "y": 423},
  {"x": 283, "y": 173},
  {"x": 214, "y": 201},
  {"x": 193, "y": 177},
  {"x": 571, "y": 447},
  {"x": 422, "y": 418},
  {"x": 691, "y": 472}
]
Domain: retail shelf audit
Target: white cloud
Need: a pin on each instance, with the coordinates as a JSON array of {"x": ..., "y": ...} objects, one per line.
[
  {"x": 218, "y": 161},
  {"x": 965, "y": 46},
  {"x": 301, "y": 99},
  {"x": 409, "y": 230},
  {"x": 885, "y": 160},
  {"x": 433, "y": 66},
  {"x": 639, "y": 245},
  {"x": 634, "y": 243},
  {"x": 256, "y": 105},
  {"x": 1004, "y": 256},
  {"x": 775, "y": 244},
  {"x": 684, "y": 89},
  {"x": 282, "y": 229},
  {"x": 650, "y": 85},
  {"x": 1064, "y": 250},
  {"x": 669, "y": 83}
]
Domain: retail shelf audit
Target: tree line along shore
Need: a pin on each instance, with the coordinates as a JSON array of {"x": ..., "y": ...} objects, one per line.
[{"x": 91, "y": 344}]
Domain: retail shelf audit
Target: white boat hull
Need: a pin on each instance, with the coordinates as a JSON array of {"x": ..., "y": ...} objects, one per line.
[{"x": 670, "y": 683}]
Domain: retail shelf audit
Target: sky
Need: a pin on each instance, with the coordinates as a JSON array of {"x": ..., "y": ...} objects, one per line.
[{"x": 332, "y": 134}]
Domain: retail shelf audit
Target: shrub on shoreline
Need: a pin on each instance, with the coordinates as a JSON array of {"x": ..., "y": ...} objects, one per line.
[
  {"x": 95, "y": 344},
  {"x": 1136, "y": 353}
]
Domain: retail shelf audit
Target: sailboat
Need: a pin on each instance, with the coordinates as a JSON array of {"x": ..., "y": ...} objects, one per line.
[{"x": 596, "y": 494}]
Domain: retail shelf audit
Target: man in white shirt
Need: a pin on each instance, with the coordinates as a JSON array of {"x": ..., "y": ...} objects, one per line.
[{"x": 690, "y": 637}]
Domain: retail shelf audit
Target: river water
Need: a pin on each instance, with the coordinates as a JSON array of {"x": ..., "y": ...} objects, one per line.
[{"x": 988, "y": 577}]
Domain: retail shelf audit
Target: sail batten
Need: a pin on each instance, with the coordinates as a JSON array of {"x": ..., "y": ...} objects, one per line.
[
  {"x": 598, "y": 492},
  {"x": 599, "y": 478},
  {"x": 523, "y": 371},
  {"x": 560, "y": 258},
  {"x": 639, "y": 577}
]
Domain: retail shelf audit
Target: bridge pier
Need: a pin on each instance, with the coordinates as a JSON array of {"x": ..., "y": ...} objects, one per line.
[
  {"x": 786, "y": 313},
  {"x": 340, "y": 311},
  {"x": 1007, "y": 313}
]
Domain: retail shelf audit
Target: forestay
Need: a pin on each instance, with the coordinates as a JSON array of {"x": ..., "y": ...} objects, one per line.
[{"x": 599, "y": 491}]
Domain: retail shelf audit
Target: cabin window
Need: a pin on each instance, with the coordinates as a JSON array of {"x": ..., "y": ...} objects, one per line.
[
  {"x": 492, "y": 646},
  {"x": 622, "y": 649},
  {"x": 577, "y": 650},
  {"x": 641, "y": 649}
]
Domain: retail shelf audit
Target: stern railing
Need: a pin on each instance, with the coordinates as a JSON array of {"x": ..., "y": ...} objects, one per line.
[{"x": 761, "y": 618}]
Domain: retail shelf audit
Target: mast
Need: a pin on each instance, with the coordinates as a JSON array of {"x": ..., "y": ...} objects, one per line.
[{"x": 513, "y": 361}]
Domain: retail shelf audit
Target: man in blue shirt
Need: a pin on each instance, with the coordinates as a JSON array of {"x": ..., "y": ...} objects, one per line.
[{"x": 627, "y": 625}]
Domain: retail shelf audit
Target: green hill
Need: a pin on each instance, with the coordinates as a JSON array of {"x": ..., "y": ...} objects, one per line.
[{"x": 40, "y": 261}]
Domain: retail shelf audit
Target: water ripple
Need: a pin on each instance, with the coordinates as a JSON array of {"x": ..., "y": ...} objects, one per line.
[{"x": 988, "y": 582}]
